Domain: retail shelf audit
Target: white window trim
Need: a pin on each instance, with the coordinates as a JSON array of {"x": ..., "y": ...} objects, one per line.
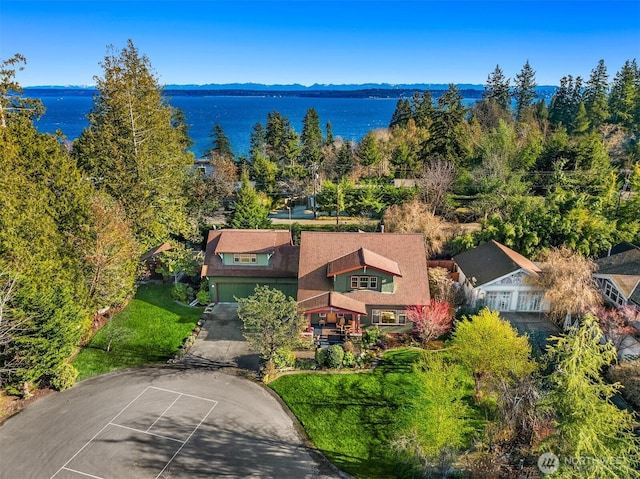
[
  {"x": 372, "y": 282},
  {"x": 400, "y": 316},
  {"x": 245, "y": 258}
]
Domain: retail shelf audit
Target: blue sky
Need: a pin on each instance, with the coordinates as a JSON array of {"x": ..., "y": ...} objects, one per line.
[{"x": 307, "y": 42}]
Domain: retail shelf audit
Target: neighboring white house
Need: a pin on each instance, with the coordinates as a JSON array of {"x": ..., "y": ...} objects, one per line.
[
  {"x": 618, "y": 276},
  {"x": 496, "y": 276}
]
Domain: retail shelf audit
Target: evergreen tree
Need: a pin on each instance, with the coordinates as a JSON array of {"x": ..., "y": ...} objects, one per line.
[
  {"x": 220, "y": 143},
  {"x": 497, "y": 89},
  {"x": 566, "y": 102},
  {"x": 594, "y": 432},
  {"x": 282, "y": 141},
  {"x": 422, "y": 109},
  {"x": 44, "y": 210},
  {"x": 345, "y": 160},
  {"x": 257, "y": 142},
  {"x": 368, "y": 151},
  {"x": 311, "y": 139},
  {"x": 596, "y": 95},
  {"x": 401, "y": 114},
  {"x": 248, "y": 210},
  {"x": 524, "y": 91},
  {"x": 624, "y": 99},
  {"x": 133, "y": 150},
  {"x": 329, "y": 131},
  {"x": 448, "y": 133}
]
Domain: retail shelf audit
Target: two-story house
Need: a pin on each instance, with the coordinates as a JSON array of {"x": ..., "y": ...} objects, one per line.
[
  {"x": 236, "y": 261},
  {"x": 361, "y": 279}
]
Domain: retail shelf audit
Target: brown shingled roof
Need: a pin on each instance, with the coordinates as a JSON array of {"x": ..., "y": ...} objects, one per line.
[
  {"x": 362, "y": 258},
  {"x": 283, "y": 263},
  {"x": 252, "y": 241},
  {"x": 333, "y": 300},
  {"x": 492, "y": 260},
  {"x": 406, "y": 251}
]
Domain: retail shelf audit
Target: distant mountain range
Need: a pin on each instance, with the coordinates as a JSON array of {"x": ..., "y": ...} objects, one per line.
[{"x": 365, "y": 90}]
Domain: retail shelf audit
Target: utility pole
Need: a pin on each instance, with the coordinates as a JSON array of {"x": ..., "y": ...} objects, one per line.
[
  {"x": 337, "y": 204},
  {"x": 314, "y": 172}
]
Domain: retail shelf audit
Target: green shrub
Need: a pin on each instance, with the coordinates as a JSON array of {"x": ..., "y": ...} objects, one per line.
[
  {"x": 349, "y": 360},
  {"x": 64, "y": 377},
  {"x": 203, "y": 295},
  {"x": 284, "y": 358},
  {"x": 182, "y": 292},
  {"x": 374, "y": 336},
  {"x": 321, "y": 357},
  {"x": 335, "y": 355},
  {"x": 305, "y": 364}
]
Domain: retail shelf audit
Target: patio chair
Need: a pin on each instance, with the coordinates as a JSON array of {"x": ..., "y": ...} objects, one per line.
[{"x": 340, "y": 324}]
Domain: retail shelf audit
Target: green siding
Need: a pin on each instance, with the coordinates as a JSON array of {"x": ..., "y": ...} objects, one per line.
[
  {"x": 342, "y": 282},
  {"x": 365, "y": 321},
  {"x": 225, "y": 290},
  {"x": 261, "y": 260}
]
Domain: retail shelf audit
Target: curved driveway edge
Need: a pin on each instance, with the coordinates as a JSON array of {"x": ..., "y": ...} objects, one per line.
[{"x": 158, "y": 422}]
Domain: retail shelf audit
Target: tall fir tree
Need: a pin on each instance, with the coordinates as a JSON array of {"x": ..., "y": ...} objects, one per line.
[
  {"x": 596, "y": 95},
  {"x": 133, "y": 149},
  {"x": 220, "y": 143},
  {"x": 257, "y": 141},
  {"x": 524, "y": 91},
  {"x": 497, "y": 89},
  {"x": 248, "y": 210},
  {"x": 311, "y": 139},
  {"x": 448, "y": 133},
  {"x": 624, "y": 98},
  {"x": 565, "y": 103},
  {"x": 401, "y": 114},
  {"x": 423, "y": 110},
  {"x": 590, "y": 429}
]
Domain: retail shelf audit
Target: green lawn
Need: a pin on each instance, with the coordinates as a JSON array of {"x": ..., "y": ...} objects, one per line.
[
  {"x": 149, "y": 330},
  {"x": 351, "y": 417}
]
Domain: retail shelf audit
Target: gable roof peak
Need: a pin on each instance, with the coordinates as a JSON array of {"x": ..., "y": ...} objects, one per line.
[{"x": 361, "y": 258}]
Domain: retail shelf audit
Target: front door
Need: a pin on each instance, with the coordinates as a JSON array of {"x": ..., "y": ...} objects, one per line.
[{"x": 332, "y": 318}]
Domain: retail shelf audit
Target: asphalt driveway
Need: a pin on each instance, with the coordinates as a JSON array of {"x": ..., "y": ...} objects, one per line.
[{"x": 220, "y": 343}]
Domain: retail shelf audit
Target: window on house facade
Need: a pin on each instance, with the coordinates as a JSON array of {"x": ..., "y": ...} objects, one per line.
[
  {"x": 364, "y": 282},
  {"x": 245, "y": 258},
  {"x": 498, "y": 300},
  {"x": 613, "y": 294},
  {"x": 529, "y": 301},
  {"x": 388, "y": 317}
]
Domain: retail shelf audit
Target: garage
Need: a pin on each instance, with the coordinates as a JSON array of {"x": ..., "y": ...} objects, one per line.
[{"x": 226, "y": 292}]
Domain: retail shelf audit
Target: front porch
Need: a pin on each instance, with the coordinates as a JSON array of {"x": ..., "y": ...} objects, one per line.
[
  {"x": 333, "y": 328},
  {"x": 332, "y": 317}
]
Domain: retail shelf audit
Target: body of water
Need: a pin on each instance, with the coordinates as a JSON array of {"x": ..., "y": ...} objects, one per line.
[{"x": 351, "y": 118}]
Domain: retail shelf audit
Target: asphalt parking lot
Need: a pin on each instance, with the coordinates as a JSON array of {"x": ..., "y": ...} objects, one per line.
[{"x": 194, "y": 419}]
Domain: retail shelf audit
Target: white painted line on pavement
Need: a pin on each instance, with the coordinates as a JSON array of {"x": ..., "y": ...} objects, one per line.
[
  {"x": 187, "y": 440},
  {"x": 97, "y": 433}
]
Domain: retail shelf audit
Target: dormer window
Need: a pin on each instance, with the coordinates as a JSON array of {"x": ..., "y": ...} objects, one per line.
[
  {"x": 245, "y": 258},
  {"x": 364, "y": 282}
]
